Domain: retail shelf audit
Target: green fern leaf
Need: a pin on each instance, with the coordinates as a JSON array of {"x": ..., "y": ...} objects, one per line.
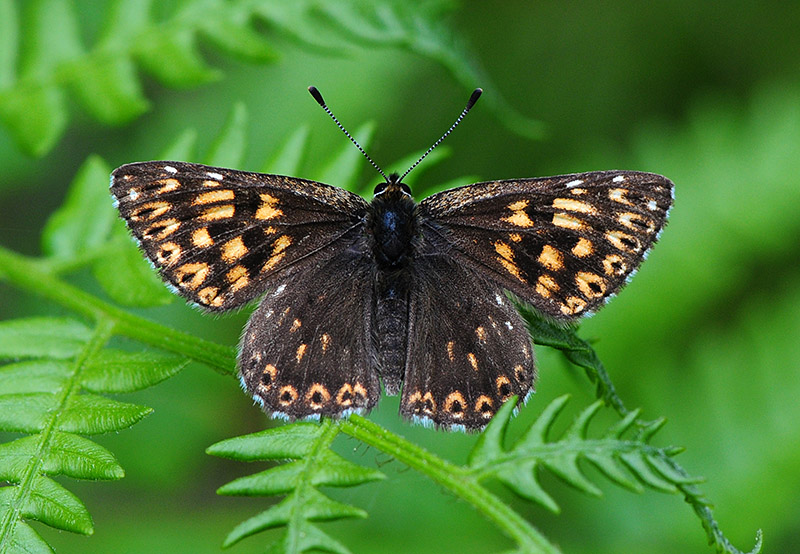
[
  {"x": 313, "y": 464},
  {"x": 84, "y": 220},
  {"x": 42, "y": 336},
  {"x": 126, "y": 276},
  {"x": 117, "y": 371},
  {"x": 53, "y": 60},
  {"x": 25, "y": 539},
  {"x": 288, "y": 157}
]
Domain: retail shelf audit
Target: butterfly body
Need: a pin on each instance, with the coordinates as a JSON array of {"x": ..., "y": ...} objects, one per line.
[{"x": 411, "y": 295}]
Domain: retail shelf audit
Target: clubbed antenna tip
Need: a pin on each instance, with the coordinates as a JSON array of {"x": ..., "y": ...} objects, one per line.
[
  {"x": 318, "y": 96},
  {"x": 471, "y": 102}
]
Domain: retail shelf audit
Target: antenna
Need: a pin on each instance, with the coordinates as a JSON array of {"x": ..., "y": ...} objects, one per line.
[
  {"x": 471, "y": 102},
  {"x": 318, "y": 97}
]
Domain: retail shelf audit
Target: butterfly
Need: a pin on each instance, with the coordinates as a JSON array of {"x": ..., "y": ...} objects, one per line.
[{"x": 418, "y": 297}]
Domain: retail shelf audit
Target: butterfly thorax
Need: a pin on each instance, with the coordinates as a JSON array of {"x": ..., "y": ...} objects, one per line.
[{"x": 392, "y": 224}]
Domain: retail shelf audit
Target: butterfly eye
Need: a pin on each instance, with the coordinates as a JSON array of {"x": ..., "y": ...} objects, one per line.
[
  {"x": 405, "y": 188},
  {"x": 380, "y": 188}
]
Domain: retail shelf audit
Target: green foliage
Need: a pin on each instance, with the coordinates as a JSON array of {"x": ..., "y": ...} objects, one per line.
[
  {"x": 43, "y": 59},
  {"x": 313, "y": 465},
  {"x": 52, "y": 389}
]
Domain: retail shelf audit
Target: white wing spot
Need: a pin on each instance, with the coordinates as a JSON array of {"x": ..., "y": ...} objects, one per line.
[
  {"x": 574, "y": 183},
  {"x": 618, "y": 178},
  {"x": 133, "y": 194},
  {"x": 215, "y": 175},
  {"x": 652, "y": 205},
  {"x": 508, "y": 324},
  {"x": 170, "y": 169},
  {"x": 499, "y": 299},
  {"x": 279, "y": 290}
]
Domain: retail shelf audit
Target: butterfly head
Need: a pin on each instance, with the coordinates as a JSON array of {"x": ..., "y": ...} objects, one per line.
[{"x": 392, "y": 187}]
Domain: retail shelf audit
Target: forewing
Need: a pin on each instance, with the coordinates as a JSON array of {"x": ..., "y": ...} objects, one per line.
[
  {"x": 469, "y": 350},
  {"x": 307, "y": 349},
  {"x": 217, "y": 235},
  {"x": 563, "y": 244}
]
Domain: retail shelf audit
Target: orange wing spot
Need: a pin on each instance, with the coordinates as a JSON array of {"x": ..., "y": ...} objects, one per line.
[
  {"x": 451, "y": 350},
  {"x": 455, "y": 404},
  {"x": 224, "y": 211},
  {"x": 546, "y": 286},
  {"x": 209, "y": 183},
  {"x": 162, "y": 229},
  {"x": 428, "y": 404},
  {"x": 287, "y": 395},
  {"x": 233, "y": 250},
  {"x": 619, "y": 195},
  {"x": 484, "y": 406},
  {"x": 198, "y": 271},
  {"x": 506, "y": 259},
  {"x": 317, "y": 396},
  {"x": 278, "y": 252},
  {"x": 345, "y": 395},
  {"x": 583, "y": 248},
  {"x": 551, "y": 258},
  {"x": 572, "y": 205},
  {"x": 480, "y": 331},
  {"x": 168, "y": 253},
  {"x": 201, "y": 238},
  {"x": 636, "y": 222},
  {"x": 149, "y": 211},
  {"x": 577, "y": 192},
  {"x": 209, "y": 296},
  {"x": 168, "y": 185},
  {"x": 514, "y": 237},
  {"x": 613, "y": 264},
  {"x": 325, "y": 340},
  {"x": 268, "y": 376},
  {"x": 213, "y": 196},
  {"x": 590, "y": 284},
  {"x": 473, "y": 361},
  {"x": 296, "y": 324},
  {"x": 567, "y": 221},
  {"x": 518, "y": 217},
  {"x": 623, "y": 241},
  {"x": 573, "y": 305},
  {"x": 504, "y": 388},
  {"x": 301, "y": 351},
  {"x": 268, "y": 208},
  {"x": 238, "y": 278},
  {"x": 359, "y": 390}
]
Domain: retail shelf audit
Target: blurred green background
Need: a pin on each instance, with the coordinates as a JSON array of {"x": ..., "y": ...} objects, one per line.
[{"x": 707, "y": 334}]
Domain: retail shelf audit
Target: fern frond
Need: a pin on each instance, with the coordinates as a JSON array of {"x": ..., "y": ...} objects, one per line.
[
  {"x": 312, "y": 464},
  {"x": 53, "y": 409},
  {"x": 628, "y": 461},
  {"x": 45, "y": 60}
]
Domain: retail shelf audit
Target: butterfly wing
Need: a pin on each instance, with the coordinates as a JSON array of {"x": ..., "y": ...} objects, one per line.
[
  {"x": 299, "y": 358},
  {"x": 564, "y": 244},
  {"x": 469, "y": 349},
  {"x": 219, "y": 235}
]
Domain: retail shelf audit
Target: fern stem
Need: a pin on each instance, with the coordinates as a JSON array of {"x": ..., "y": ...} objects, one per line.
[
  {"x": 452, "y": 477},
  {"x": 29, "y": 274}
]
